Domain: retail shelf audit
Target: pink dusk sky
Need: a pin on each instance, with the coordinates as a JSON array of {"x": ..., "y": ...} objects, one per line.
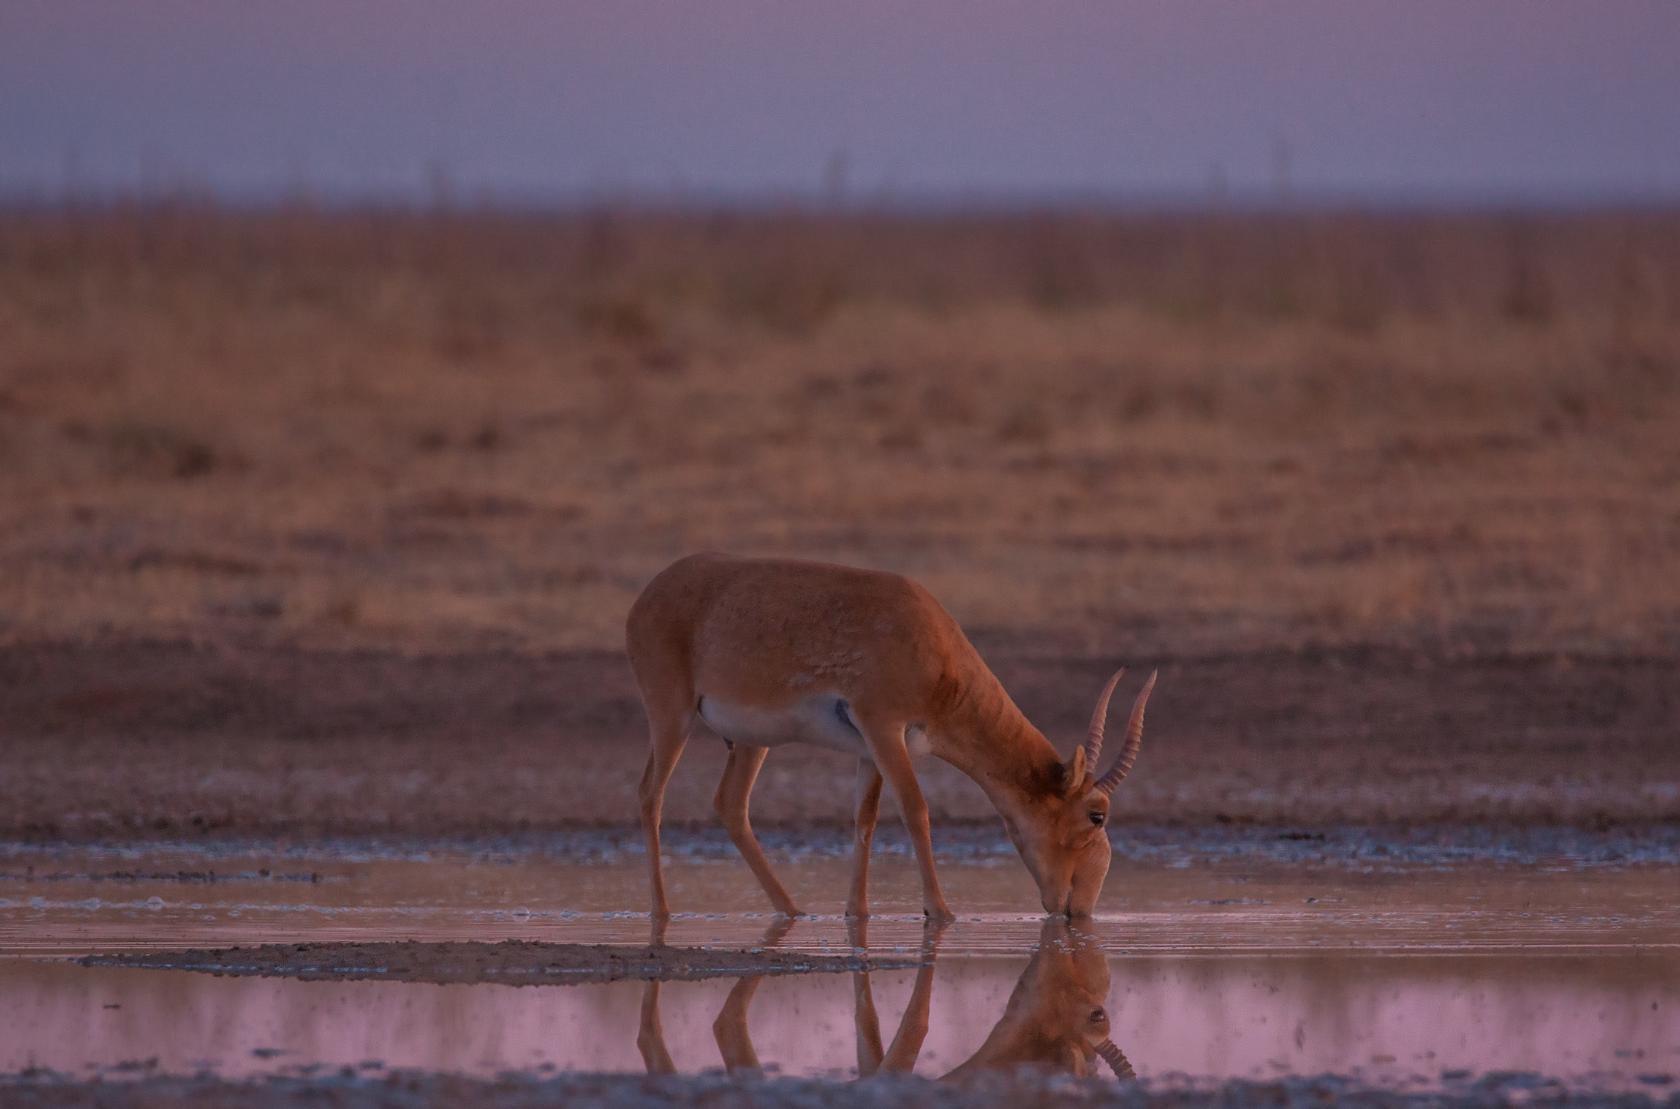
[{"x": 1471, "y": 99}]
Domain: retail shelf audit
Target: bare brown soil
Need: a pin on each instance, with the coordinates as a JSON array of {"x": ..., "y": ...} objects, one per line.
[
  {"x": 512, "y": 962},
  {"x": 171, "y": 738},
  {"x": 315, "y": 521}
]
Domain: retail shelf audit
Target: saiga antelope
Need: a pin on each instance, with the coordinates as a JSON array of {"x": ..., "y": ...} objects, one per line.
[{"x": 769, "y": 652}]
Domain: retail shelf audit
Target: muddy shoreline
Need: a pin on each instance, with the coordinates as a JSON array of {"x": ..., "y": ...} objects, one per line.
[
  {"x": 356, "y": 1089},
  {"x": 511, "y": 962},
  {"x": 129, "y": 739},
  {"x": 209, "y": 859}
]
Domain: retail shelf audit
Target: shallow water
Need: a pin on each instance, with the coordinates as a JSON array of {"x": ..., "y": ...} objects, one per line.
[
  {"x": 1250, "y": 965},
  {"x": 1245, "y": 1016}
]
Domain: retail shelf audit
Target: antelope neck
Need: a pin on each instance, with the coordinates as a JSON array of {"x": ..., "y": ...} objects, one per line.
[{"x": 989, "y": 739}]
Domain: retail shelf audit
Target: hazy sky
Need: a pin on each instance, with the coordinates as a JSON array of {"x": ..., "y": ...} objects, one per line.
[{"x": 1503, "y": 98}]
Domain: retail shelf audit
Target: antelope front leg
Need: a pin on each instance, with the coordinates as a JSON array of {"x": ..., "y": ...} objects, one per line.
[
  {"x": 892, "y": 759},
  {"x": 868, "y": 813}
]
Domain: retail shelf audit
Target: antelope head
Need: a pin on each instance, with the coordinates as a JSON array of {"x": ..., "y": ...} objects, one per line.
[{"x": 1063, "y": 835}]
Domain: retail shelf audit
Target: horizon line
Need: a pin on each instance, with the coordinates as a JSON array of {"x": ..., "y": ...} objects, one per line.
[{"x": 31, "y": 199}]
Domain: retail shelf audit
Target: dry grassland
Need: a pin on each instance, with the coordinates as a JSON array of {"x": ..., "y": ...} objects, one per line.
[{"x": 1094, "y": 435}]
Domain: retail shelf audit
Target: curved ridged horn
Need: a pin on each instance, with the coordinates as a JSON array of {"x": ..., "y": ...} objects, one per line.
[
  {"x": 1134, "y": 739},
  {"x": 1116, "y": 1060},
  {"x": 1094, "y": 738}
]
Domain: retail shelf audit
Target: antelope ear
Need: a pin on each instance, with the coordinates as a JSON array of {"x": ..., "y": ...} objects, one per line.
[{"x": 1073, "y": 775}]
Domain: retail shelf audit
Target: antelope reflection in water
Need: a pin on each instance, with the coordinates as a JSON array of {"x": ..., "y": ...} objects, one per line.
[{"x": 1055, "y": 1018}]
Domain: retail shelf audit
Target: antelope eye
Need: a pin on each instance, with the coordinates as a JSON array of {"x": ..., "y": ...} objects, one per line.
[{"x": 1097, "y": 818}]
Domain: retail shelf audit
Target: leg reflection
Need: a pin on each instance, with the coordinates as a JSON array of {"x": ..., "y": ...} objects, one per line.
[
  {"x": 650, "y": 1038},
  {"x": 734, "y": 1041},
  {"x": 899, "y": 1057},
  {"x": 730, "y": 1029},
  {"x": 863, "y": 1003}
]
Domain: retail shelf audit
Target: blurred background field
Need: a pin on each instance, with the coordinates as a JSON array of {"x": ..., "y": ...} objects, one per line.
[
  {"x": 1101, "y": 432},
  {"x": 327, "y": 516}
]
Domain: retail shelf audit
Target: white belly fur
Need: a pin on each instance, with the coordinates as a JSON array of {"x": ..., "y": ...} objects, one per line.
[{"x": 817, "y": 719}]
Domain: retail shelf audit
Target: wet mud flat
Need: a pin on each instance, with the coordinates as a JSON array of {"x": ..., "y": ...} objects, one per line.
[
  {"x": 511, "y": 962},
  {"x": 1171, "y": 889}
]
